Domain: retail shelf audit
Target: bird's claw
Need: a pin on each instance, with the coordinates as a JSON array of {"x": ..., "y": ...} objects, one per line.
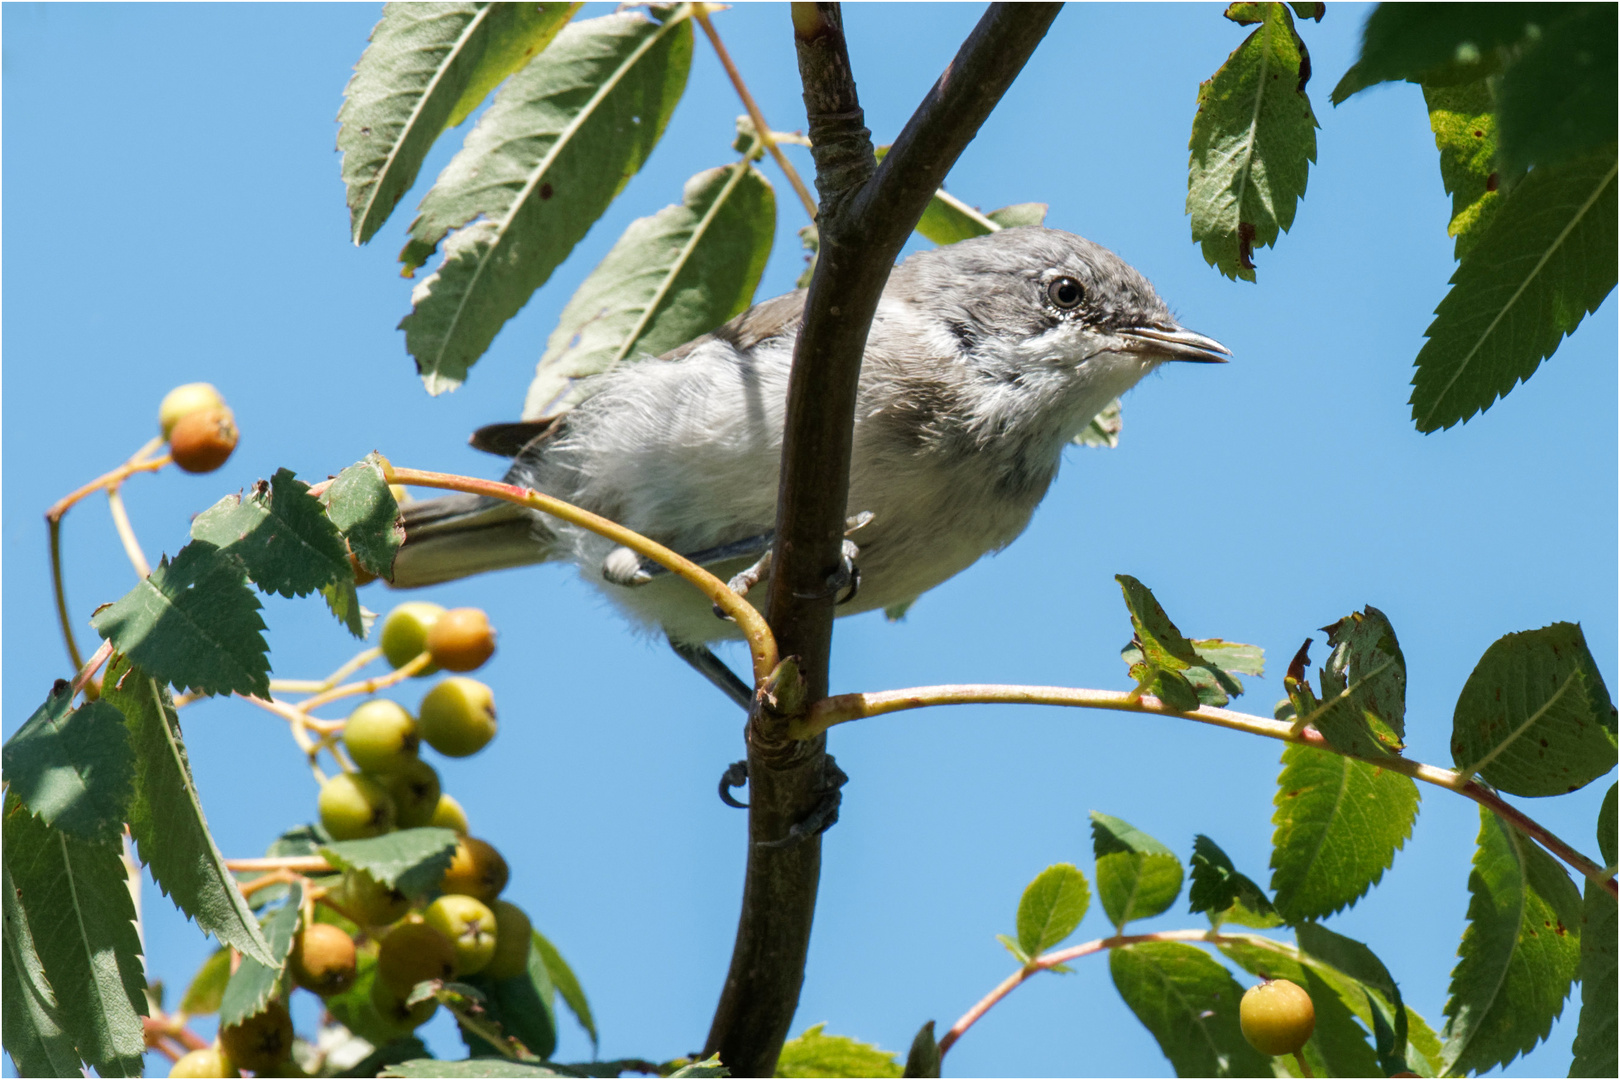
[{"x": 822, "y": 817}]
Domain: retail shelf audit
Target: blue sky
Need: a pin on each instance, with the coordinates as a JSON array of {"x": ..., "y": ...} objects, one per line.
[{"x": 173, "y": 212}]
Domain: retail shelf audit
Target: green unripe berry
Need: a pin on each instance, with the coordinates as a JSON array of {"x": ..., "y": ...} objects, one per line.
[
  {"x": 207, "y": 1062},
  {"x": 513, "y": 937},
  {"x": 415, "y": 791},
  {"x": 184, "y": 400},
  {"x": 449, "y": 815},
  {"x": 414, "y": 952},
  {"x": 390, "y": 1005},
  {"x": 469, "y": 925},
  {"x": 405, "y": 632},
  {"x": 461, "y": 639},
  {"x": 458, "y": 716},
  {"x": 369, "y": 902},
  {"x": 354, "y": 806},
  {"x": 260, "y": 1041},
  {"x": 1277, "y": 1017},
  {"x": 381, "y": 736}
]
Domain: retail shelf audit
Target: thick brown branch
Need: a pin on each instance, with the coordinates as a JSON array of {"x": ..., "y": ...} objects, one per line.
[{"x": 865, "y": 216}]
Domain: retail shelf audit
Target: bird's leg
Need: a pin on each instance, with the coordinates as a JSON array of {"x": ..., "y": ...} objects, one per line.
[
  {"x": 711, "y": 667},
  {"x": 624, "y": 567}
]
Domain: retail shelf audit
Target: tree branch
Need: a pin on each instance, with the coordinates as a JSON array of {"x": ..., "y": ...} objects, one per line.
[{"x": 866, "y": 213}]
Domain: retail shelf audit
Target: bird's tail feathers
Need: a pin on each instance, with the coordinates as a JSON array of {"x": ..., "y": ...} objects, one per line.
[{"x": 457, "y": 536}]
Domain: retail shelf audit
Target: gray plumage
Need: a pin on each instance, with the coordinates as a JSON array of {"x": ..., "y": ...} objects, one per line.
[{"x": 977, "y": 372}]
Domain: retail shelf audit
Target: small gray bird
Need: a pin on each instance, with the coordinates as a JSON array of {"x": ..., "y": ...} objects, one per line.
[{"x": 985, "y": 358}]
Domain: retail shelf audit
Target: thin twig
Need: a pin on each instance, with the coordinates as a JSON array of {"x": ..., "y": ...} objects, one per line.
[
  {"x": 761, "y": 644},
  {"x": 369, "y": 686},
  {"x": 126, "y": 533},
  {"x": 767, "y": 137},
  {"x": 296, "y": 864},
  {"x": 54, "y": 526},
  {"x": 88, "y": 671},
  {"x": 137, "y": 464},
  {"x": 845, "y": 707}
]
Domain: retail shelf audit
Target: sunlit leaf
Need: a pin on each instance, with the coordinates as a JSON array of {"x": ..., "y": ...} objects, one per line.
[
  {"x": 73, "y": 767},
  {"x": 1051, "y": 907},
  {"x": 814, "y": 1053},
  {"x": 250, "y": 988},
  {"x": 1137, "y": 877},
  {"x": 1190, "y": 1005},
  {"x": 1463, "y": 119},
  {"x": 410, "y": 860},
  {"x": 31, "y": 1022},
  {"x": 566, "y": 982}
]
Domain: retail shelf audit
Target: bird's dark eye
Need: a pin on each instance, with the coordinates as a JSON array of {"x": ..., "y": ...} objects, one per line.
[{"x": 1065, "y": 292}]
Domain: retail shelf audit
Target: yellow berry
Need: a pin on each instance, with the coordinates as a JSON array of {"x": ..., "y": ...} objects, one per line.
[
  {"x": 449, "y": 815},
  {"x": 184, "y": 400},
  {"x": 260, "y": 1041},
  {"x": 405, "y": 632},
  {"x": 1277, "y": 1017},
  {"x": 477, "y": 870},
  {"x": 457, "y": 717}
]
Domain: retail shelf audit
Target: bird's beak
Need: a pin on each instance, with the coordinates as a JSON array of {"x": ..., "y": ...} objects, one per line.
[{"x": 1175, "y": 344}]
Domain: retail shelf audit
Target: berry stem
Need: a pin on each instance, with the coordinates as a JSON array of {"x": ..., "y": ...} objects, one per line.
[
  {"x": 292, "y": 865},
  {"x": 1304, "y": 1066},
  {"x": 368, "y": 686},
  {"x": 54, "y": 525},
  {"x": 845, "y": 707},
  {"x": 126, "y": 532},
  {"x": 761, "y": 643},
  {"x": 700, "y": 11}
]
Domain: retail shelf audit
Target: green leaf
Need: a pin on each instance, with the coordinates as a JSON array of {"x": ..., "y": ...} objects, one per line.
[
  {"x": 1384, "y": 1011},
  {"x": 1557, "y": 99},
  {"x": 250, "y": 988},
  {"x": 1104, "y": 429},
  {"x": 1253, "y": 141},
  {"x": 1338, "y": 824},
  {"x": 1137, "y": 877},
  {"x": 193, "y": 623},
  {"x": 1542, "y": 266},
  {"x": 426, "y": 68},
  {"x": 282, "y": 535},
  {"x": 709, "y": 1066},
  {"x": 816, "y": 1054},
  {"x": 207, "y": 988},
  {"x": 562, "y": 138},
  {"x": 1363, "y": 706},
  {"x": 1027, "y": 213},
  {"x": 1161, "y": 643},
  {"x": 923, "y": 1059},
  {"x": 522, "y": 1006},
  {"x": 567, "y": 984},
  {"x": 76, "y": 908},
  {"x": 410, "y": 860},
  {"x": 1051, "y": 907},
  {"x": 1463, "y": 119},
  {"x": 1210, "y": 681},
  {"x": 1217, "y": 886},
  {"x": 672, "y": 277},
  {"x": 1437, "y": 44},
  {"x": 1338, "y": 1046},
  {"x": 1190, "y": 1005},
  {"x": 473, "y": 1067},
  {"x": 166, "y": 817},
  {"x": 1534, "y": 718},
  {"x": 31, "y": 1022},
  {"x": 1518, "y": 953},
  {"x": 354, "y": 1010},
  {"x": 73, "y": 767},
  {"x": 361, "y": 506},
  {"x": 1596, "y": 1038}
]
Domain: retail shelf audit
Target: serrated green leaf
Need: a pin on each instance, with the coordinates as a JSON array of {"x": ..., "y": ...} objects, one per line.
[
  {"x": 816, "y": 1054},
  {"x": 410, "y": 860},
  {"x": 1385, "y": 1013},
  {"x": 73, "y": 768},
  {"x": 1253, "y": 141},
  {"x": 1137, "y": 877},
  {"x": 250, "y": 988},
  {"x": 282, "y": 535},
  {"x": 1596, "y": 1039},
  {"x": 427, "y": 66},
  {"x": 207, "y": 987},
  {"x": 1518, "y": 953},
  {"x": 1189, "y": 1003},
  {"x": 1545, "y": 263},
  {"x": 354, "y": 1010},
  {"x": 521, "y": 1006},
  {"x": 31, "y": 1021},
  {"x": 194, "y": 623},
  {"x": 567, "y": 983},
  {"x": 1217, "y": 886},
  {"x": 1437, "y": 44},
  {"x": 166, "y": 817},
  {"x": 670, "y": 278},
  {"x": 1338, "y": 823},
  {"x": 1463, "y": 119},
  {"x": 562, "y": 138},
  {"x": 1534, "y": 717},
  {"x": 1104, "y": 429},
  {"x": 75, "y": 904},
  {"x": 1338, "y": 1046},
  {"x": 1161, "y": 643},
  {"x": 364, "y": 510},
  {"x": 1363, "y": 705},
  {"x": 1210, "y": 681},
  {"x": 1557, "y": 98},
  {"x": 1051, "y": 907}
]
